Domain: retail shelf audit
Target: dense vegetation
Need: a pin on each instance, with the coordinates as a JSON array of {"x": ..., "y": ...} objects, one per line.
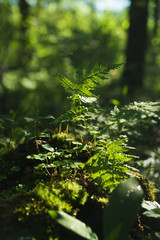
[
  {"x": 74, "y": 160},
  {"x": 79, "y": 135}
]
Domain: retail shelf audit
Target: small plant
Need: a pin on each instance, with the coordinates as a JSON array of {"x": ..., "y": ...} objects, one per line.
[
  {"x": 102, "y": 137},
  {"x": 107, "y": 164}
]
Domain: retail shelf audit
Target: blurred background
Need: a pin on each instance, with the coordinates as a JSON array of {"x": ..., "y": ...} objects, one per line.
[{"x": 41, "y": 38}]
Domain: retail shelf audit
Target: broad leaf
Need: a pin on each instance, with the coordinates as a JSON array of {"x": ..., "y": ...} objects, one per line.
[
  {"x": 148, "y": 205},
  {"x": 120, "y": 213},
  {"x": 154, "y": 213},
  {"x": 73, "y": 224}
]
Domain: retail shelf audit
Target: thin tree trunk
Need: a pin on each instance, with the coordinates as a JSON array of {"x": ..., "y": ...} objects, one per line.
[
  {"x": 136, "y": 46},
  {"x": 24, "y": 39}
]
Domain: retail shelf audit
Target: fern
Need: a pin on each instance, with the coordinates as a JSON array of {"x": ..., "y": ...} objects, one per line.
[
  {"x": 86, "y": 80},
  {"x": 138, "y": 111},
  {"x": 137, "y": 115},
  {"x": 81, "y": 89},
  {"x": 108, "y": 166},
  {"x": 66, "y": 117}
]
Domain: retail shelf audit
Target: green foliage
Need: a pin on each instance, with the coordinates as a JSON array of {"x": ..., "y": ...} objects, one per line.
[
  {"x": 155, "y": 213},
  {"x": 63, "y": 158},
  {"x": 62, "y": 163},
  {"x": 119, "y": 214},
  {"x": 148, "y": 205},
  {"x": 153, "y": 209},
  {"x": 86, "y": 80},
  {"x": 61, "y": 195},
  {"x": 73, "y": 224},
  {"x": 121, "y": 211},
  {"x": 52, "y": 34},
  {"x": 21, "y": 210},
  {"x": 108, "y": 165},
  {"x": 133, "y": 116},
  {"x": 81, "y": 88},
  {"x": 147, "y": 186}
]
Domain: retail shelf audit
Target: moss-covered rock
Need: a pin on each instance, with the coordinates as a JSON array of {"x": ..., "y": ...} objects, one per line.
[{"x": 19, "y": 210}]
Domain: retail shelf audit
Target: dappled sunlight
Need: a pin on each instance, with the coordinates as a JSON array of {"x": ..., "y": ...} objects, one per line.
[{"x": 79, "y": 119}]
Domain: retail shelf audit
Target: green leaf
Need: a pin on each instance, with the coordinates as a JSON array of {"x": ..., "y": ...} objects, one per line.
[
  {"x": 115, "y": 102},
  {"x": 47, "y": 147},
  {"x": 43, "y": 165},
  {"x": 67, "y": 84},
  {"x": 47, "y": 117},
  {"x": 73, "y": 224},
  {"x": 7, "y": 118},
  {"x": 29, "y": 119},
  {"x": 120, "y": 213},
  {"x": 155, "y": 213},
  {"x": 40, "y": 156},
  {"x": 87, "y": 99},
  {"x": 148, "y": 205}
]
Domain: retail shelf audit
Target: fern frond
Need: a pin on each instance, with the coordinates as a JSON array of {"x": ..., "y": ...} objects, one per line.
[
  {"x": 113, "y": 66},
  {"x": 87, "y": 79},
  {"x": 67, "y": 84},
  {"x": 80, "y": 75},
  {"x": 137, "y": 117},
  {"x": 138, "y": 111},
  {"x": 107, "y": 167},
  {"x": 99, "y": 71},
  {"x": 66, "y": 117},
  {"x": 95, "y": 73},
  {"x": 84, "y": 90}
]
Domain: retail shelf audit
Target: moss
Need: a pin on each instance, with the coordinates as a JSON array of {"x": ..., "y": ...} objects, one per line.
[
  {"x": 147, "y": 187},
  {"x": 61, "y": 195},
  {"x": 18, "y": 209},
  {"x": 62, "y": 140},
  {"x": 64, "y": 196}
]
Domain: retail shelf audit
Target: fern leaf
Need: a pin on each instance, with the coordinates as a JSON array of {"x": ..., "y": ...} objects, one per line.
[
  {"x": 138, "y": 111},
  {"x": 80, "y": 75},
  {"x": 113, "y": 66},
  {"x": 67, "y": 84},
  {"x": 84, "y": 91},
  {"x": 66, "y": 117},
  {"x": 87, "y": 80}
]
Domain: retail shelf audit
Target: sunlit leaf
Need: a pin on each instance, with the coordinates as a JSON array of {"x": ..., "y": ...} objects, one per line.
[
  {"x": 120, "y": 213},
  {"x": 148, "y": 205},
  {"x": 154, "y": 213},
  {"x": 47, "y": 147},
  {"x": 73, "y": 224}
]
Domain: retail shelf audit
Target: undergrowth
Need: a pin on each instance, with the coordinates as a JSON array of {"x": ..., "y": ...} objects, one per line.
[{"x": 82, "y": 155}]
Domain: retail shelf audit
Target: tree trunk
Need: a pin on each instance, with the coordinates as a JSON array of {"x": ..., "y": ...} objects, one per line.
[
  {"x": 136, "y": 46},
  {"x": 24, "y": 39}
]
